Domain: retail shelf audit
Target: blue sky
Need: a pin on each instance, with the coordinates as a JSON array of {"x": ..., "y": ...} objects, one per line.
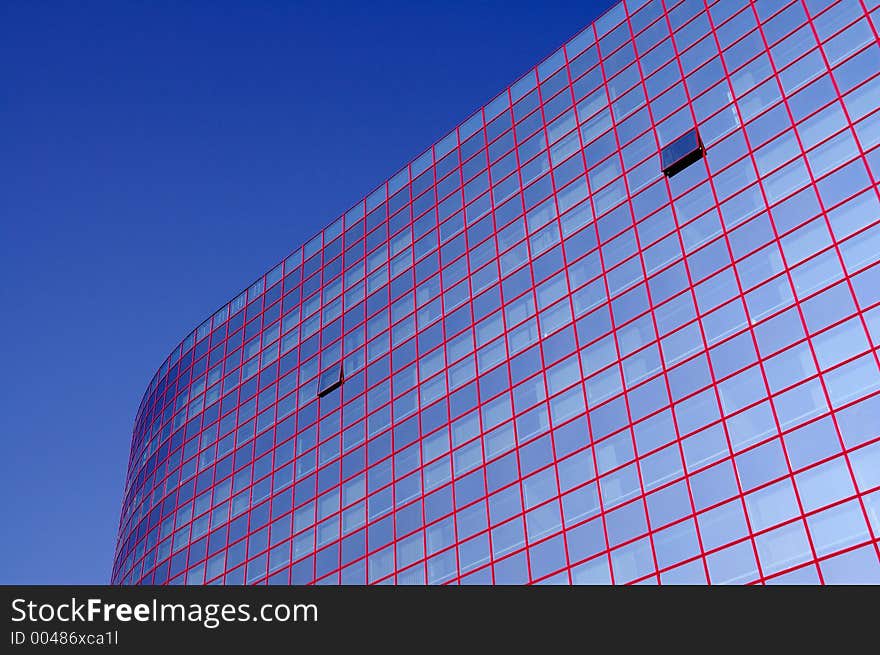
[{"x": 154, "y": 159}]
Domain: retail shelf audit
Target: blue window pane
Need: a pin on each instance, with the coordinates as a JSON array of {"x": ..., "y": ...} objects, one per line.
[
  {"x": 676, "y": 543},
  {"x": 686, "y": 574},
  {"x": 713, "y": 485},
  {"x": 866, "y": 466},
  {"x": 783, "y": 547},
  {"x": 722, "y": 524},
  {"x": 625, "y": 523},
  {"x": 824, "y": 484},
  {"x": 760, "y": 465},
  {"x": 811, "y": 443},
  {"x": 586, "y": 540},
  {"x": 838, "y": 527},
  {"x": 807, "y": 575},
  {"x": 859, "y": 566},
  {"x": 860, "y": 422},
  {"x": 669, "y": 504},
  {"x": 547, "y": 557},
  {"x": 733, "y": 565},
  {"x": 772, "y": 505},
  {"x": 632, "y": 561},
  {"x": 594, "y": 572},
  {"x": 511, "y": 571}
]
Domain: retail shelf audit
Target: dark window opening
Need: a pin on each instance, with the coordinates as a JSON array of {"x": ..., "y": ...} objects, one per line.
[
  {"x": 329, "y": 380},
  {"x": 681, "y": 153}
]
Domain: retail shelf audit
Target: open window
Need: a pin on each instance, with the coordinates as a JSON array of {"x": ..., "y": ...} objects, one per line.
[
  {"x": 681, "y": 153},
  {"x": 330, "y": 380}
]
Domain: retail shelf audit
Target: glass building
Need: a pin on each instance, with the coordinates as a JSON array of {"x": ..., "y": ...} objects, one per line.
[{"x": 619, "y": 326}]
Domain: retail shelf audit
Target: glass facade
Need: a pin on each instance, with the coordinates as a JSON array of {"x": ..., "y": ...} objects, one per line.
[{"x": 558, "y": 364}]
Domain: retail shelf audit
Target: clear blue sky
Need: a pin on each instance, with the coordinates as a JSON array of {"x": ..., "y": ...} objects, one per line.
[{"x": 154, "y": 159}]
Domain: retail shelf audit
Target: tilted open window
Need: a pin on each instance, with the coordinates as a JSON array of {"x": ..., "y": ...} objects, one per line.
[
  {"x": 329, "y": 380},
  {"x": 681, "y": 153}
]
